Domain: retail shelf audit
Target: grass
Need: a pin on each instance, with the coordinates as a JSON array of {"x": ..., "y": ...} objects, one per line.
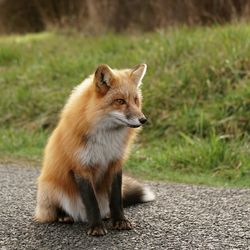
[{"x": 196, "y": 94}]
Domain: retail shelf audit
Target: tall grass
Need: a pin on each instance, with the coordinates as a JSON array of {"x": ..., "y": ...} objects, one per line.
[{"x": 196, "y": 96}]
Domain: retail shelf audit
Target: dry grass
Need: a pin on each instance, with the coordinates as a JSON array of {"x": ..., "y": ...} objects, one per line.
[{"x": 115, "y": 15}]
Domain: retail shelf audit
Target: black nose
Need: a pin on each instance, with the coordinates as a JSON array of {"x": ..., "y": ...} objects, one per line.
[{"x": 142, "y": 120}]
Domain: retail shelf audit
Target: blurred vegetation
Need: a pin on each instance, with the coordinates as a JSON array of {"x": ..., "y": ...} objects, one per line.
[
  {"x": 196, "y": 95},
  {"x": 98, "y": 16}
]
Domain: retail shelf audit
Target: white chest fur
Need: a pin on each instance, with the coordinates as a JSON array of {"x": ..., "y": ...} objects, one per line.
[{"x": 103, "y": 147}]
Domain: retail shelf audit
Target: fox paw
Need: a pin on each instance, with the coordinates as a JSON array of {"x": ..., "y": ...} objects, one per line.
[
  {"x": 122, "y": 224},
  {"x": 99, "y": 230},
  {"x": 66, "y": 219}
]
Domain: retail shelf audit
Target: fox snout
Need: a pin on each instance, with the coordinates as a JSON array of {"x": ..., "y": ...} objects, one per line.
[
  {"x": 126, "y": 120},
  {"x": 136, "y": 122}
]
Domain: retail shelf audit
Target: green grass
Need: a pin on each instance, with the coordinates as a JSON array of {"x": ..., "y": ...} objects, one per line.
[{"x": 196, "y": 95}]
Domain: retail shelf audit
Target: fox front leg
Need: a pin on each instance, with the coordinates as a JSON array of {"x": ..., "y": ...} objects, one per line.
[
  {"x": 116, "y": 207},
  {"x": 96, "y": 226}
]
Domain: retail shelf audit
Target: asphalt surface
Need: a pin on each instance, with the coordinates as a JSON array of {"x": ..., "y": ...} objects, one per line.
[{"x": 182, "y": 217}]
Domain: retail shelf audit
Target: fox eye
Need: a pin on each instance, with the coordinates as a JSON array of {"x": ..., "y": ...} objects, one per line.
[{"x": 120, "y": 101}]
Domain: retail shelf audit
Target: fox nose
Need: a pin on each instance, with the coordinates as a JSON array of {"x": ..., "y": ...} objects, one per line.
[{"x": 142, "y": 120}]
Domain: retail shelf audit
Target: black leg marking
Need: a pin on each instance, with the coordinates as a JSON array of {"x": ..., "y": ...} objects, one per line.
[
  {"x": 92, "y": 209},
  {"x": 116, "y": 207}
]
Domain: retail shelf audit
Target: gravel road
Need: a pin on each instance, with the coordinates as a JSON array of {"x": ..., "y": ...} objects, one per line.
[{"x": 182, "y": 217}]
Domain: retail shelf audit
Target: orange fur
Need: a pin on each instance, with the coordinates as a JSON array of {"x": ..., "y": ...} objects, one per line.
[{"x": 87, "y": 108}]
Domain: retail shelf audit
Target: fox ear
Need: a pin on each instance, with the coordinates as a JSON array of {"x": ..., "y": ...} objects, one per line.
[
  {"x": 138, "y": 72},
  {"x": 103, "y": 78}
]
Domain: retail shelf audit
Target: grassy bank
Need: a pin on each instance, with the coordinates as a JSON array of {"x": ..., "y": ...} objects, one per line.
[{"x": 196, "y": 94}]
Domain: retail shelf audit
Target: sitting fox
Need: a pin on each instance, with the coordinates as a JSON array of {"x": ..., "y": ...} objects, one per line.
[{"x": 81, "y": 178}]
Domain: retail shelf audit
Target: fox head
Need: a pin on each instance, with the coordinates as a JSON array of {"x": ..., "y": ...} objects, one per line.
[{"x": 120, "y": 96}]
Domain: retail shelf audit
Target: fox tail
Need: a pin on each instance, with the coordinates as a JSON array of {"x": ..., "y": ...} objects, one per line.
[{"x": 134, "y": 192}]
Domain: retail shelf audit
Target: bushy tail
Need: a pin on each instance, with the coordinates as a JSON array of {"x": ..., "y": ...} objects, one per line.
[{"x": 134, "y": 192}]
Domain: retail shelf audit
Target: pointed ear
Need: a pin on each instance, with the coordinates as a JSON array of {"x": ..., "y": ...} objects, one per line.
[
  {"x": 138, "y": 72},
  {"x": 103, "y": 78}
]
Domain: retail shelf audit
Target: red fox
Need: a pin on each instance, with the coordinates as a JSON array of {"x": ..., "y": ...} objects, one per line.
[{"x": 81, "y": 177}]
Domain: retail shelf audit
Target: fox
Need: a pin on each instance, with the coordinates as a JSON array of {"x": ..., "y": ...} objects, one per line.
[{"x": 81, "y": 178}]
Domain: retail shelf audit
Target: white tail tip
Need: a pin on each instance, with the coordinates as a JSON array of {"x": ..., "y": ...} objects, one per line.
[{"x": 148, "y": 195}]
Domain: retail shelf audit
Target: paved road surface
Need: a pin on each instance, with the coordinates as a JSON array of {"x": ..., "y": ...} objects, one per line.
[{"x": 182, "y": 217}]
